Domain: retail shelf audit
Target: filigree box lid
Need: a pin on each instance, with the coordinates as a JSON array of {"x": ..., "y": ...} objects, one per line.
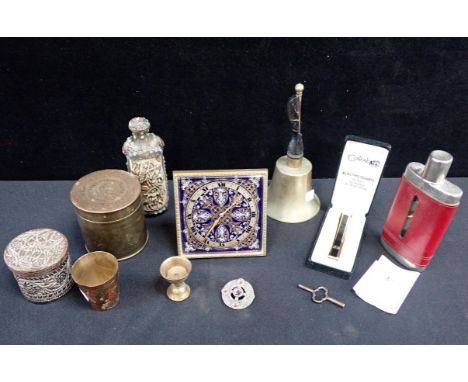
[
  {"x": 105, "y": 191},
  {"x": 36, "y": 250}
]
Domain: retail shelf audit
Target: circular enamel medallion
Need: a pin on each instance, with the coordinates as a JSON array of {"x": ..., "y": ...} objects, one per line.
[{"x": 238, "y": 294}]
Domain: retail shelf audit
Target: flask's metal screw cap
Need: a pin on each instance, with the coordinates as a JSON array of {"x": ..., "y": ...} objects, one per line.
[
  {"x": 139, "y": 124},
  {"x": 437, "y": 166}
]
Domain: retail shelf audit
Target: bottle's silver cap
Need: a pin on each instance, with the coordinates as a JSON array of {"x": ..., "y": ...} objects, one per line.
[
  {"x": 139, "y": 125},
  {"x": 432, "y": 178}
]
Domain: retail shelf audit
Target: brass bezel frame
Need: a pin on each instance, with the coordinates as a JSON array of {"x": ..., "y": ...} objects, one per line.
[{"x": 263, "y": 172}]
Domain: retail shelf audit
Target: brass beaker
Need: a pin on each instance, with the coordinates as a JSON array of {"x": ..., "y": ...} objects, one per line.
[{"x": 96, "y": 274}]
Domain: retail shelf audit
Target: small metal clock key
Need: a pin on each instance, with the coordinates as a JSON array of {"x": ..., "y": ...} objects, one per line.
[{"x": 325, "y": 295}]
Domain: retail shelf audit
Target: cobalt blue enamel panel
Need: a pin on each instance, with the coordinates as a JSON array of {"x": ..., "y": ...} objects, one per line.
[{"x": 221, "y": 213}]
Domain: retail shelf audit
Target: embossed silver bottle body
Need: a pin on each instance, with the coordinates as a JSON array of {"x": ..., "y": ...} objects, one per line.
[
  {"x": 151, "y": 173},
  {"x": 145, "y": 159}
]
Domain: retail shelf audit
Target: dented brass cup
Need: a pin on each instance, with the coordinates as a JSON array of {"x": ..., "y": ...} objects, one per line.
[
  {"x": 96, "y": 274},
  {"x": 176, "y": 270}
]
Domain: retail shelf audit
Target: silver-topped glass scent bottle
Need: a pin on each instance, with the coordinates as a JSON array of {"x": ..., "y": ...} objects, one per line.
[{"x": 145, "y": 159}]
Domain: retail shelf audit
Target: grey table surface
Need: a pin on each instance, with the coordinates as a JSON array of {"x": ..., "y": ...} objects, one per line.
[{"x": 435, "y": 312}]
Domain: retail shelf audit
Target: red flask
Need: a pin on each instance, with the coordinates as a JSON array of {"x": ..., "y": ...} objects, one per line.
[{"x": 422, "y": 209}]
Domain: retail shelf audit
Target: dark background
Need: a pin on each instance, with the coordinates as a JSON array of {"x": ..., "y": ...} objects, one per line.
[{"x": 220, "y": 103}]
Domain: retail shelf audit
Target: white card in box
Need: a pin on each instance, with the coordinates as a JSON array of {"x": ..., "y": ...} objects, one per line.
[{"x": 339, "y": 237}]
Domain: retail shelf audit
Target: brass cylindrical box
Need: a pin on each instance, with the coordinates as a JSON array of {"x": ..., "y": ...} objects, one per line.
[{"x": 110, "y": 213}]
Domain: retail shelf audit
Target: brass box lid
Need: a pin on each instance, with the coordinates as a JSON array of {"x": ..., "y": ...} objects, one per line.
[
  {"x": 36, "y": 251},
  {"x": 105, "y": 192}
]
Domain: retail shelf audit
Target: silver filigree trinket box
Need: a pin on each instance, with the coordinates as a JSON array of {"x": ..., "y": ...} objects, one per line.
[
  {"x": 40, "y": 262},
  {"x": 145, "y": 159}
]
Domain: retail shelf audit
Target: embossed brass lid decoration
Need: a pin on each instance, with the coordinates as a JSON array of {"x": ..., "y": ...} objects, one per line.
[
  {"x": 105, "y": 191},
  {"x": 37, "y": 250}
]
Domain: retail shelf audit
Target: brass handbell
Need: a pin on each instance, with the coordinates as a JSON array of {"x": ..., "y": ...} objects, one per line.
[{"x": 291, "y": 198}]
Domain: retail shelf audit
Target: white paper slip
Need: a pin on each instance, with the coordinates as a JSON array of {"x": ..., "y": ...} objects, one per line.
[{"x": 385, "y": 285}]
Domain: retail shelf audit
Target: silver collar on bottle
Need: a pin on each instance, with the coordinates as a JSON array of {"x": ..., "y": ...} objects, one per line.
[{"x": 431, "y": 178}]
